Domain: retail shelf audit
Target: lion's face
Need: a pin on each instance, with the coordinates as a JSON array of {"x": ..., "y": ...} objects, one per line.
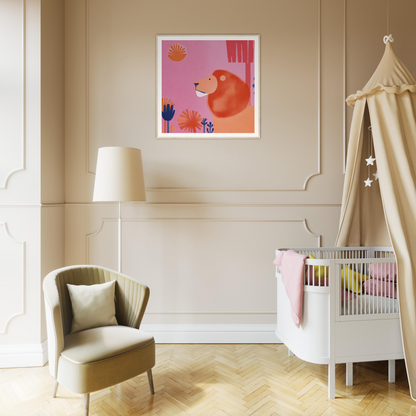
[
  {"x": 206, "y": 86},
  {"x": 227, "y": 93}
]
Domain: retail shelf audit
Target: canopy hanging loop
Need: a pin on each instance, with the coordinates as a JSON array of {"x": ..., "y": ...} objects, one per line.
[{"x": 388, "y": 38}]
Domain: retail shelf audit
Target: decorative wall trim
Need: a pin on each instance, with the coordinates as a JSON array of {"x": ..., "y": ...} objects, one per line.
[
  {"x": 13, "y": 205},
  {"x": 91, "y": 235},
  {"x": 213, "y": 334},
  {"x": 88, "y": 171},
  {"x": 319, "y": 101},
  {"x": 344, "y": 97},
  {"x": 23, "y": 278},
  {"x": 212, "y": 313},
  {"x": 24, "y": 355},
  {"x": 195, "y": 204},
  {"x": 23, "y": 162},
  {"x": 95, "y": 233},
  {"x": 318, "y": 236},
  {"x": 87, "y": 88},
  {"x": 33, "y": 205}
]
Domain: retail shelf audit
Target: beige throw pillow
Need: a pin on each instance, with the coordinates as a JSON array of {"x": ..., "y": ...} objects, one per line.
[{"x": 92, "y": 306}]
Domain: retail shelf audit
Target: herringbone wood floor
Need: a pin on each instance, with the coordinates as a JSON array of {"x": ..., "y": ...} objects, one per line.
[{"x": 218, "y": 380}]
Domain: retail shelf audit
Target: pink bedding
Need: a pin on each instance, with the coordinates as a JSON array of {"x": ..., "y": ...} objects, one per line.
[
  {"x": 380, "y": 288},
  {"x": 291, "y": 265},
  {"x": 386, "y": 271}
]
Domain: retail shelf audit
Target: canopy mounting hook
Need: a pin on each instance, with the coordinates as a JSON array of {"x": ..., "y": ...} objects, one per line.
[{"x": 388, "y": 39}]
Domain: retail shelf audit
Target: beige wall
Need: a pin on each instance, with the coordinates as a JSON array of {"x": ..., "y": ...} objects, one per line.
[
  {"x": 31, "y": 173},
  {"x": 52, "y": 102},
  {"x": 216, "y": 210},
  {"x": 204, "y": 242}
]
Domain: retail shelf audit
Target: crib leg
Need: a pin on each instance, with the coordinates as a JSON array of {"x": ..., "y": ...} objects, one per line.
[
  {"x": 331, "y": 381},
  {"x": 392, "y": 371},
  {"x": 290, "y": 353},
  {"x": 349, "y": 374}
]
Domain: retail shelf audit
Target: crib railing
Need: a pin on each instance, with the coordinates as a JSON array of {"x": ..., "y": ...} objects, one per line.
[
  {"x": 368, "y": 286},
  {"x": 364, "y": 275},
  {"x": 337, "y": 253}
]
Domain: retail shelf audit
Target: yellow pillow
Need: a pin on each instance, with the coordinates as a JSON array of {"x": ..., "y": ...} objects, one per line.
[
  {"x": 350, "y": 278},
  {"x": 320, "y": 271}
]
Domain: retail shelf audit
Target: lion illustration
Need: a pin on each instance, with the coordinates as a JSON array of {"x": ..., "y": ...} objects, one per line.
[{"x": 228, "y": 100}]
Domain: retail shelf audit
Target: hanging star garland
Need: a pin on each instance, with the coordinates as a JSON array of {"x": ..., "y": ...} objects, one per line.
[
  {"x": 370, "y": 160},
  {"x": 375, "y": 176},
  {"x": 368, "y": 182}
]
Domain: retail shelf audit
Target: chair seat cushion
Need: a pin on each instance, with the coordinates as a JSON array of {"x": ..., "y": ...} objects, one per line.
[
  {"x": 98, "y": 358},
  {"x": 101, "y": 343}
]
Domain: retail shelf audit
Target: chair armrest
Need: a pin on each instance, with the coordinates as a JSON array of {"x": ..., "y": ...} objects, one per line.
[
  {"x": 131, "y": 301},
  {"x": 53, "y": 322}
]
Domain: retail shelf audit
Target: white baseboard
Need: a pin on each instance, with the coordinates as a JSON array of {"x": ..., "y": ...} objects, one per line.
[
  {"x": 24, "y": 355},
  {"x": 36, "y": 355},
  {"x": 213, "y": 334}
]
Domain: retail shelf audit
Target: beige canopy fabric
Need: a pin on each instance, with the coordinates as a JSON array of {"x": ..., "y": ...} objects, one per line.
[{"x": 385, "y": 213}]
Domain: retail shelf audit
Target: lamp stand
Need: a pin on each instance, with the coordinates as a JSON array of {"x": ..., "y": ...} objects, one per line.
[{"x": 119, "y": 236}]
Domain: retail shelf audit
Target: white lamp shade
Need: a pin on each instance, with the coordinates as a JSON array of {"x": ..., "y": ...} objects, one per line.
[{"x": 119, "y": 175}]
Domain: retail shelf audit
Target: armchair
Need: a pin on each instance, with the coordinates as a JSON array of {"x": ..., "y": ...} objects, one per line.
[{"x": 96, "y": 358}]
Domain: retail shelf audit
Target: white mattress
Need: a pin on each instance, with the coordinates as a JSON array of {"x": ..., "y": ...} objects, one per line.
[{"x": 368, "y": 304}]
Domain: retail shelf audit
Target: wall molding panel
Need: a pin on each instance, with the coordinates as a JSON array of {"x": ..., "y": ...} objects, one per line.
[
  {"x": 344, "y": 92},
  {"x": 213, "y": 333},
  {"x": 87, "y": 89},
  {"x": 12, "y": 277},
  {"x": 212, "y": 313},
  {"x": 126, "y": 220},
  {"x": 303, "y": 188},
  {"x": 199, "y": 266},
  {"x": 217, "y": 210},
  {"x": 22, "y": 164}
]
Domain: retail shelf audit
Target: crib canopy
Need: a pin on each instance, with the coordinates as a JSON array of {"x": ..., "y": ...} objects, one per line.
[{"x": 385, "y": 212}]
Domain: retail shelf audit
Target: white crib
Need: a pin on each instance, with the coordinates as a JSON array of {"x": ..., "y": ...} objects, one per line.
[{"x": 335, "y": 330}]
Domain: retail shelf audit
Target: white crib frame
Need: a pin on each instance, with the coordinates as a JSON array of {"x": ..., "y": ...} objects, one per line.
[{"x": 328, "y": 337}]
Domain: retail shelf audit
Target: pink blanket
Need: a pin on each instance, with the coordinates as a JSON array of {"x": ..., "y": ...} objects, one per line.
[
  {"x": 291, "y": 265},
  {"x": 386, "y": 271},
  {"x": 380, "y": 288}
]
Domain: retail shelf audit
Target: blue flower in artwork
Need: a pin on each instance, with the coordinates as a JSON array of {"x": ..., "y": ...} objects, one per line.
[
  {"x": 210, "y": 127},
  {"x": 167, "y": 114},
  {"x": 204, "y": 122}
]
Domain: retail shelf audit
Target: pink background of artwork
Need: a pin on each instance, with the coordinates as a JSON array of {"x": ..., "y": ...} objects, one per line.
[{"x": 202, "y": 59}]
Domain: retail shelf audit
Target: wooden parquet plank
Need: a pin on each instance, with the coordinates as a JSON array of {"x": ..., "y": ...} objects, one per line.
[{"x": 218, "y": 380}]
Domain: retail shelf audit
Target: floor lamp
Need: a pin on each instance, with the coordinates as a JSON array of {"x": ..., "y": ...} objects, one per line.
[{"x": 119, "y": 177}]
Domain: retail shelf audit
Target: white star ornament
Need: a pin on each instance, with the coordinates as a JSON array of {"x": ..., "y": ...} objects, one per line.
[
  {"x": 368, "y": 182},
  {"x": 370, "y": 160}
]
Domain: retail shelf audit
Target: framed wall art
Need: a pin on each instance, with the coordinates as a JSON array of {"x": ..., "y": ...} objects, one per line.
[{"x": 208, "y": 87}]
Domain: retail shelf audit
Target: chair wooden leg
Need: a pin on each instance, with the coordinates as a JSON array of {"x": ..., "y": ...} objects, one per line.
[
  {"x": 392, "y": 371},
  {"x": 150, "y": 377},
  {"x": 86, "y": 404},
  {"x": 331, "y": 381},
  {"x": 55, "y": 389},
  {"x": 349, "y": 374}
]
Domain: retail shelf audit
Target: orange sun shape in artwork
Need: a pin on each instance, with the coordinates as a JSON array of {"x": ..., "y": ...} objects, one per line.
[
  {"x": 190, "y": 121},
  {"x": 177, "y": 52}
]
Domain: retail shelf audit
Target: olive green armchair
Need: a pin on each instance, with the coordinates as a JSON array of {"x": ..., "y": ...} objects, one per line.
[{"x": 96, "y": 358}]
